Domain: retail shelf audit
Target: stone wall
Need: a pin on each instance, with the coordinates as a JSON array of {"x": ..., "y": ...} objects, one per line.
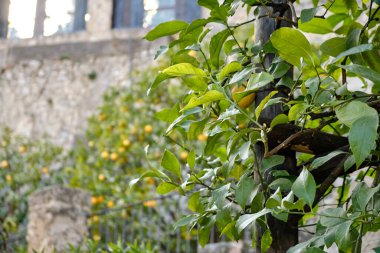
[
  {"x": 50, "y": 85},
  {"x": 50, "y": 90}
]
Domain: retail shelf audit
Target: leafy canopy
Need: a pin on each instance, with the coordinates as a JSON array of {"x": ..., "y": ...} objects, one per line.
[{"x": 328, "y": 92}]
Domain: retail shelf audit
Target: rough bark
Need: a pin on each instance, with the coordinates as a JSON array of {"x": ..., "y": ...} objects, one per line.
[{"x": 284, "y": 234}]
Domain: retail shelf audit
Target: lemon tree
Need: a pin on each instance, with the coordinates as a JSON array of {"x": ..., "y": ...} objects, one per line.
[
  {"x": 311, "y": 134},
  {"x": 25, "y": 166}
]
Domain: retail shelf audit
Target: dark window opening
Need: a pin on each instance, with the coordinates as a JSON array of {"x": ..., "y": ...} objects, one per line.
[{"x": 149, "y": 13}]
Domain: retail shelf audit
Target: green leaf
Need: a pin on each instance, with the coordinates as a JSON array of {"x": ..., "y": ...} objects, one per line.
[
  {"x": 193, "y": 203},
  {"x": 354, "y": 110},
  {"x": 168, "y": 115},
  {"x": 281, "y": 69},
  {"x": 243, "y": 191},
  {"x": 362, "y": 194},
  {"x": 283, "y": 183},
  {"x": 184, "y": 69},
  {"x": 196, "y": 83},
  {"x": 318, "y": 162},
  {"x": 166, "y": 29},
  {"x": 191, "y": 159},
  {"x": 363, "y": 71},
  {"x": 271, "y": 162},
  {"x": 296, "y": 111},
  {"x": 362, "y": 137},
  {"x": 354, "y": 50},
  {"x": 279, "y": 119},
  {"x": 171, "y": 163},
  {"x": 240, "y": 76},
  {"x": 333, "y": 216},
  {"x": 247, "y": 219},
  {"x": 316, "y": 26},
  {"x": 274, "y": 200},
  {"x": 333, "y": 46},
  {"x": 228, "y": 69},
  {"x": 266, "y": 241},
  {"x": 292, "y": 45},
  {"x": 305, "y": 187},
  {"x": 308, "y": 14},
  {"x": 210, "y": 96},
  {"x": 165, "y": 188},
  {"x": 219, "y": 195},
  {"x": 216, "y": 45},
  {"x": 185, "y": 221},
  {"x": 263, "y": 102},
  {"x": 350, "y": 161},
  {"x": 343, "y": 236},
  {"x": 210, "y": 4},
  {"x": 259, "y": 80},
  {"x": 157, "y": 81},
  {"x": 228, "y": 227}
]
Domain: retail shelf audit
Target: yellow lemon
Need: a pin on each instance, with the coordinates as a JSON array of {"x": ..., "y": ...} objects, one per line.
[
  {"x": 149, "y": 180},
  {"x": 150, "y": 203},
  {"x": 192, "y": 53},
  {"x": 105, "y": 154},
  {"x": 94, "y": 200},
  {"x": 114, "y": 156},
  {"x": 184, "y": 155},
  {"x": 247, "y": 100},
  {"x": 91, "y": 144},
  {"x": 110, "y": 204},
  {"x": 4, "y": 164},
  {"x": 9, "y": 178},
  {"x": 21, "y": 149},
  {"x": 45, "y": 170},
  {"x": 96, "y": 237},
  {"x": 95, "y": 219},
  {"x": 121, "y": 150},
  {"x": 102, "y": 116},
  {"x": 148, "y": 129},
  {"x": 126, "y": 143},
  {"x": 101, "y": 177},
  {"x": 202, "y": 137},
  {"x": 100, "y": 199}
]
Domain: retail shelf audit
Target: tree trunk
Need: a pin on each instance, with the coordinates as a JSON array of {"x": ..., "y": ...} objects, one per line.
[{"x": 284, "y": 234}]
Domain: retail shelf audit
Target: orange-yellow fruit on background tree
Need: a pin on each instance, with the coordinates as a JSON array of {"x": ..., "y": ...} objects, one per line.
[
  {"x": 9, "y": 178},
  {"x": 4, "y": 164},
  {"x": 110, "y": 204},
  {"x": 101, "y": 177},
  {"x": 150, "y": 203},
  {"x": 126, "y": 143},
  {"x": 148, "y": 129},
  {"x": 202, "y": 137},
  {"x": 114, "y": 156},
  {"x": 184, "y": 155},
  {"x": 105, "y": 155},
  {"x": 22, "y": 149},
  {"x": 245, "y": 101},
  {"x": 45, "y": 170}
]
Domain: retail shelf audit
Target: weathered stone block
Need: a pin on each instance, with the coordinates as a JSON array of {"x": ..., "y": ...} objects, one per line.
[{"x": 57, "y": 217}]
